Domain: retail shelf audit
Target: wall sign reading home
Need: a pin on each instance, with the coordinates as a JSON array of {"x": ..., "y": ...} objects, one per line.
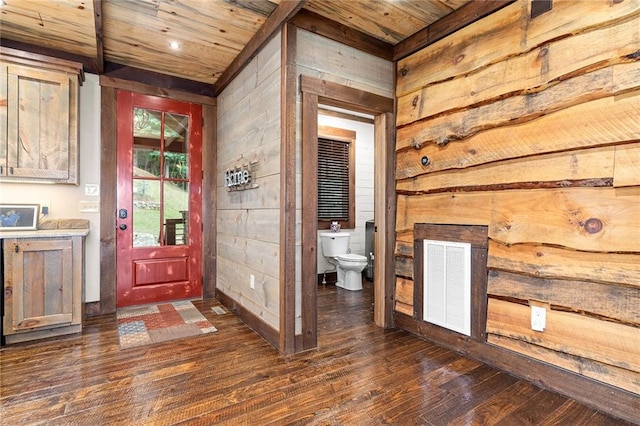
[{"x": 240, "y": 177}]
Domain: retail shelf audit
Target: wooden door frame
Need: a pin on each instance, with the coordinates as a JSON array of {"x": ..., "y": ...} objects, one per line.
[
  {"x": 316, "y": 91},
  {"x": 108, "y": 180}
]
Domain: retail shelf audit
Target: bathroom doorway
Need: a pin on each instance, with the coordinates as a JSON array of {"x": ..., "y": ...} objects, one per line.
[
  {"x": 316, "y": 92},
  {"x": 345, "y": 185}
]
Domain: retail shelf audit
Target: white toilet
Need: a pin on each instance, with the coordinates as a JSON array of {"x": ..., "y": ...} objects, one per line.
[{"x": 335, "y": 246}]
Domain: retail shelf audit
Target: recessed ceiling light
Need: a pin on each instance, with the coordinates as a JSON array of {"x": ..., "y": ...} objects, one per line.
[{"x": 174, "y": 45}]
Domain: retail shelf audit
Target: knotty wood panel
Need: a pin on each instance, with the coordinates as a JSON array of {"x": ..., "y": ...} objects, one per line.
[
  {"x": 507, "y": 114},
  {"x": 466, "y": 14},
  {"x": 608, "y": 342},
  {"x": 528, "y": 72},
  {"x": 460, "y": 53},
  {"x": 601, "y": 122},
  {"x": 619, "y": 377},
  {"x": 549, "y": 262},
  {"x": 625, "y": 172},
  {"x": 560, "y": 169},
  {"x": 465, "y": 208},
  {"x": 602, "y": 83},
  {"x": 614, "y": 303},
  {"x": 404, "y": 244},
  {"x": 404, "y": 291},
  {"x": 594, "y": 219}
]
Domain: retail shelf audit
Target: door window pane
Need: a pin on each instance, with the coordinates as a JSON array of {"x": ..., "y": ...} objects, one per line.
[
  {"x": 176, "y": 213},
  {"x": 146, "y": 212},
  {"x": 176, "y": 146},
  {"x": 146, "y": 142}
]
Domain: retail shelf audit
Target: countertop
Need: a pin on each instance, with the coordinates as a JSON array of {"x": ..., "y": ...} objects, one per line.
[{"x": 5, "y": 234}]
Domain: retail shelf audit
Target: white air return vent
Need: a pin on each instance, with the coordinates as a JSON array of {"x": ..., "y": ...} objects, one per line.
[{"x": 447, "y": 285}]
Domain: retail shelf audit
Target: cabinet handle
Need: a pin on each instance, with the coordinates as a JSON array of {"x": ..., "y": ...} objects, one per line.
[
  {"x": 16, "y": 248},
  {"x": 11, "y": 170}
]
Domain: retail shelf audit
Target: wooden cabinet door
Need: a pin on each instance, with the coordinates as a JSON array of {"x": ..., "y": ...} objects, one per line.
[
  {"x": 37, "y": 123},
  {"x": 38, "y": 284}
]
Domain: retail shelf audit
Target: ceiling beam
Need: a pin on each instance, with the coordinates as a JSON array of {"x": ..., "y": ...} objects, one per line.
[
  {"x": 459, "y": 18},
  {"x": 88, "y": 64},
  {"x": 97, "y": 18},
  {"x": 162, "y": 81},
  {"x": 285, "y": 11},
  {"x": 335, "y": 31}
]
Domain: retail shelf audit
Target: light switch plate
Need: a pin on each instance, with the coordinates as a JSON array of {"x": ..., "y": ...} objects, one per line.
[
  {"x": 92, "y": 190},
  {"x": 89, "y": 206}
]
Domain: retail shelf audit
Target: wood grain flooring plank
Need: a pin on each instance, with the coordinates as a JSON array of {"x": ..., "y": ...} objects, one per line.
[{"x": 359, "y": 375}]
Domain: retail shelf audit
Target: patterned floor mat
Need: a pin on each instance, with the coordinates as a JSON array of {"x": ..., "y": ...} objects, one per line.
[{"x": 145, "y": 325}]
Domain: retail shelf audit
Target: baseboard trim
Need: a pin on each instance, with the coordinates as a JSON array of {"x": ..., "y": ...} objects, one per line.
[
  {"x": 92, "y": 309},
  {"x": 271, "y": 335},
  {"x": 601, "y": 396}
]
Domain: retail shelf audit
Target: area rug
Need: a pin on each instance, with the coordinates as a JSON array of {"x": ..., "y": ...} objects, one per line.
[{"x": 145, "y": 325}]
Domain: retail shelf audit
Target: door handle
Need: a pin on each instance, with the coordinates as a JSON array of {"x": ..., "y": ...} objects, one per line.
[{"x": 122, "y": 227}]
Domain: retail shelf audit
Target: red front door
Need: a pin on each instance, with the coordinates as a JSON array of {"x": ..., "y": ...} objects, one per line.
[{"x": 159, "y": 235}]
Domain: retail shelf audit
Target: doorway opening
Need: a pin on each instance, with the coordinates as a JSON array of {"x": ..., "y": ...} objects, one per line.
[
  {"x": 317, "y": 92},
  {"x": 346, "y": 191}
]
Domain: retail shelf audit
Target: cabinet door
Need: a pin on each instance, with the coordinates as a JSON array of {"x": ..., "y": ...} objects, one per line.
[
  {"x": 37, "y": 123},
  {"x": 38, "y": 284}
]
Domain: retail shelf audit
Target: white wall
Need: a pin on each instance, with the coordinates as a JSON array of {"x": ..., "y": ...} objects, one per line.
[
  {"x": 64, "y": 200},
  {"x": 364, "y": 184}
]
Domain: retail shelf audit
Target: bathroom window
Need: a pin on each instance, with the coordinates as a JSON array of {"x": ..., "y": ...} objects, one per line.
[{"x": 336, "y": 177}]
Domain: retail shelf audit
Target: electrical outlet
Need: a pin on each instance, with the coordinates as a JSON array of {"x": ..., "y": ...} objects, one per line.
[
  {"x": 538, "y": 318},
  {"x": 252, "y": 281},
  {"x": 45, "y": 207}
]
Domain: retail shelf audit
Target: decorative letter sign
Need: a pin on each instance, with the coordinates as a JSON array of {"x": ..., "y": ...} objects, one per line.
[{"x": 240, "y": 177}]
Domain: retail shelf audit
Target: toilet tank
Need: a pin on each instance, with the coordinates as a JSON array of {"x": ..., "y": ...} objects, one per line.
[{"x": 334, "y": 243}]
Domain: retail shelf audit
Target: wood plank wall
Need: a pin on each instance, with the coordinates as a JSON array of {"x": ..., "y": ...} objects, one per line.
[
  {"x": 248, "y": 221},
  {"x": 531, "y": 128}
]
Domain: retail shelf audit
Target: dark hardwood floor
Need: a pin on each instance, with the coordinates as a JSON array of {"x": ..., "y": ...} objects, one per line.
[{"x": 360, "y": 375}]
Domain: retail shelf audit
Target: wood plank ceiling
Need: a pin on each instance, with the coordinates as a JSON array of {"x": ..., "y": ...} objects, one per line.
[{"x": 209, "y": 34}]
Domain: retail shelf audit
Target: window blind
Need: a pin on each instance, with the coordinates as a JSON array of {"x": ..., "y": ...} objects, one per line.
[{"x": 333, "y": 180}]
